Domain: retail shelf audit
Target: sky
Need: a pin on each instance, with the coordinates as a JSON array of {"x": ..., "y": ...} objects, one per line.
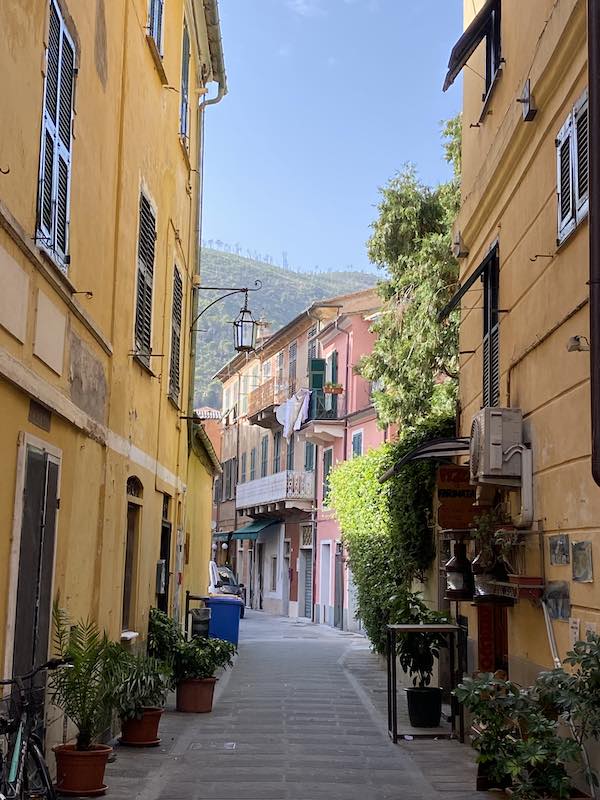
[{"x": 327, "y": 100}]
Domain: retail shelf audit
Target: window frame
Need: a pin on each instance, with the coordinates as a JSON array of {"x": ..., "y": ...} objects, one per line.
[
  {"x": 156, "y": 24},
  {"x": 357, "y": 435},
  {"x": 567, "y": 142},
  {"x": 309, "y": 464}
]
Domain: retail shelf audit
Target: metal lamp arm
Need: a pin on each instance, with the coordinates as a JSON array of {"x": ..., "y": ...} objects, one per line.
[{"x": 230, "y": 291}]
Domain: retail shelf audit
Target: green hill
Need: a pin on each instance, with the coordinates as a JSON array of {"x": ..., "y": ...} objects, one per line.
[{"x": 283, "y": 296}]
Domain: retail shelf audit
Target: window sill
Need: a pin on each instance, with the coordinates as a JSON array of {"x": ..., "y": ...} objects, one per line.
[
  {"x": 566, "y": 237},
  {"x": 488, "y": 97},
  {"x": 157, "y": 58},
  {"x": 140, "y": 359},
  {"x": 174, "y": 400},
  {"x": 58, "y": 264}
]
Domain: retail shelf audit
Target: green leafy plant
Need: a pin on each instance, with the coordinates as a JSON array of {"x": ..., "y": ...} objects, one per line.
[
  {"x": 84, "y": 690},
  {"x": 141, "y": 682},
  {"x": 518, "y": 742},
  {"x": 164, "y": 634},
  {"x": 417, "y": 652},
  {"x": 201, "y": 658}
]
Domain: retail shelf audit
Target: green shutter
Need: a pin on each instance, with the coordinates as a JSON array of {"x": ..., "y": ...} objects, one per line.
[{"x": 317, "y": 373}]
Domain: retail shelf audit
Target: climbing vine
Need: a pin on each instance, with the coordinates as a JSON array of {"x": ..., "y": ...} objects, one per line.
[{"x": 387, "y": 528}]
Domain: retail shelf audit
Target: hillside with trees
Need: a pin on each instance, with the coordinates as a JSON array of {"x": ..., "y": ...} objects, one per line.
[{"x": 284, "y": 294}]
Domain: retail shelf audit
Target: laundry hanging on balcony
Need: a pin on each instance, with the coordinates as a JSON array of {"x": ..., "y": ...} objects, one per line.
[{"x": 293, "y": 412}]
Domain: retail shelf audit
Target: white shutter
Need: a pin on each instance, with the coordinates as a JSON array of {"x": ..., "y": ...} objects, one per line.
[
  {"x": 55, "y": 151},
  {"x": 581, "y": 157},
  {"x": 564, "y": 179}
]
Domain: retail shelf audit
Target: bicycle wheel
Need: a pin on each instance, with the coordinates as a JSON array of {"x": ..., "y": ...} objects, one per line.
[{"x": 37, "y": 783}]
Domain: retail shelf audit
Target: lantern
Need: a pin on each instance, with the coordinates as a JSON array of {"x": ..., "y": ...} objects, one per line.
[
  {"x": 459, "y": 577},
  {"x": 244, "y": 330}
]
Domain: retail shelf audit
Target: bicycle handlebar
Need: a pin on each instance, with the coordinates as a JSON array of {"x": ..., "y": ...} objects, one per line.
[{"x": 53, "y": 663}]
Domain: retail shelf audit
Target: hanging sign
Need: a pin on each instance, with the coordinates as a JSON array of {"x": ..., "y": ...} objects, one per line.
[{"x": 456, "y": 496}]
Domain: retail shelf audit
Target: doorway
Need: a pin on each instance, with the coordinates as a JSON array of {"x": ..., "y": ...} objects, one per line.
[
  {"x": 324, "y": 586},
  {"x": 285, "y": 593},
  {"x": 162, "y": 599},
  {"x": 33, "y": 605},
  {"x": 492, "y": 638},
  {"x": 338, "y": 599},
  {"x": 306, "y": 578},
  {"x": 260, "y": 574}
]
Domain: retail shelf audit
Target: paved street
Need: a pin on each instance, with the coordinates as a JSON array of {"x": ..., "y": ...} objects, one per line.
[{"x": 300, "y": 717}]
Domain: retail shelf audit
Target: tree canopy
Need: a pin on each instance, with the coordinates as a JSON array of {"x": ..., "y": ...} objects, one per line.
[{"x": 415, "y": 359}]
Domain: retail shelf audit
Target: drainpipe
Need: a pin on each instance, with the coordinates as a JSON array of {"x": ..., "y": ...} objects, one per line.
[
  {"x": 213, "y": 26},
  {"x": 594, "y": 225}
]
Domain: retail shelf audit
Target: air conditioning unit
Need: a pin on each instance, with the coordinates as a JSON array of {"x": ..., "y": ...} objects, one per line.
[{"x": 496, "y": 446}]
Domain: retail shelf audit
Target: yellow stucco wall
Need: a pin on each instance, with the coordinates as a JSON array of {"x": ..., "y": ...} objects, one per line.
[
  {"x": 509, "y": 195},
  {"x": 110, "y": 417}
]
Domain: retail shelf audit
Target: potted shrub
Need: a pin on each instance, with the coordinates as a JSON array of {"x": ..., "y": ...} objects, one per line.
[
  {"x": 164, "y": 634},
  {"x": 194, "y": 665},
  {"x": 417, "y": 653},
  {"x": 333, "y": 388},
  {"x": 139, "y": 696},
  {"x": 84, "y": 692}
]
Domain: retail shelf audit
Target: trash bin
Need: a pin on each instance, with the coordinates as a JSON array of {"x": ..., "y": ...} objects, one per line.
[
  {"x": 225, "y": 612},
  {"x": 200, "y": 621}
]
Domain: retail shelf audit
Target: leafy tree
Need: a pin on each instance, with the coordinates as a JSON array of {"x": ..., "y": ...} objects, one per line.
[{"x": 414, "y": 357}]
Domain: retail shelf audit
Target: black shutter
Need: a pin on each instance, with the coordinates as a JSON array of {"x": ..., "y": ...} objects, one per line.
[
  {"x": 491, "y": 332},
  {"x": 581, "y": 156},
  {"x": 143, "y": 311},
  {"x": 174, "y": 379}
]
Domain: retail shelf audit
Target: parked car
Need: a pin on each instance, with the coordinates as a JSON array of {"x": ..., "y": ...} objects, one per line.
[{"x": 223, "y": 581}]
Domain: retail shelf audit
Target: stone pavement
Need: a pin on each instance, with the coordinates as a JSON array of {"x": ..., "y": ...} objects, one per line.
[{"x": 302, "y": 716}]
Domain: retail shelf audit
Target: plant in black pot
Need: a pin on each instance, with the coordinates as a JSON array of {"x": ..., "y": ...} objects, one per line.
[
  {"x": 417, "y": 652},
  {"x": 194, "y": 666},
  {"x": 84, "y": 692},
  {"x": 164, "y": 634},
  {"x": 139, "y": 696}
]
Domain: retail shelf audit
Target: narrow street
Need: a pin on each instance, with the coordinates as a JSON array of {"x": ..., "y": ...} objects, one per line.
[{"x": 300, "y": 716}]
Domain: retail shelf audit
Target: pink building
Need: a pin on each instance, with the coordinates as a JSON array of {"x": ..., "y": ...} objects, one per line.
[{"x": 341, "y": 426}]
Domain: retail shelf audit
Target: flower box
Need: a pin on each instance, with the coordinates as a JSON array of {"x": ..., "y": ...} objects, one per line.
[
  {"x": 333, "y": 388},
  {"x": 529, "y": 587}
]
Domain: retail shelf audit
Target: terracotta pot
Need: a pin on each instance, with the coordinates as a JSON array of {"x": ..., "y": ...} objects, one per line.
[
  {"x": 195, "y": 695},
  {"x": 142, "y": 732},
  {"x": 333, "y": 389},
  {"x": 80, "y": 773}
]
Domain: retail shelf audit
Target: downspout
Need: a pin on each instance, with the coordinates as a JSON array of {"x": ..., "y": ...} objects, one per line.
[
  {"x": 213, "y": 27},
  {"x": 594, "y": 225}
]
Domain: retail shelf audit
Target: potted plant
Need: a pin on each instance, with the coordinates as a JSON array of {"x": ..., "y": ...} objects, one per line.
[
  {"x": 163, "y": 636},
  {"x": 417, "y": 653},
  {"x": 333, "y": 388},
  {"x": 194, "y": 665},
  {"x": 139, "y": 696},
  {"x": 84, "y": 692}
]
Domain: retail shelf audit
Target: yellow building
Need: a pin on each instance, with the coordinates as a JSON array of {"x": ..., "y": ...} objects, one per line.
[
  {"x": 105, "y": 493},
  {"x": 522, "y": 236}
]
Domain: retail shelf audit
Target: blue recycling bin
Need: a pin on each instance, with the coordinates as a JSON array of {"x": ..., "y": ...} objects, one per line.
[{"x": 225, "y": 612}]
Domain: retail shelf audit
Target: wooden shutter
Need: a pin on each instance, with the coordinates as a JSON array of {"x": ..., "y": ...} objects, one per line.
[
  {"x": 309, "y": 456},
  {"x": 174, "y": 375},
  {"x": 55, "y": 154},
  {"x": 564, "y": 179},
  {"x": 243, "y": 469},
  {"x": 185, "y": 85},
  {"x": 143, "y": 310},
  {"x": 264, "y": 456},
  {"x": 253, "y": 463},
  {"x": 327, "y": 465},
  {"x": 290, "y": 453},
  {"x": 581, "y": 157}
]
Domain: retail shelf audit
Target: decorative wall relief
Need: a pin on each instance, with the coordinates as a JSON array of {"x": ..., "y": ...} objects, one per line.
[
  {"x": 583, "y": 571},
  {"x": 559, "y": 549},
  {"x": 558, "y": 600}
]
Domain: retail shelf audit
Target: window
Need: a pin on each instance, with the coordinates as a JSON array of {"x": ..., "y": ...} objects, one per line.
[
  {"x": 174, "y": 372},
  {"x": 279, "y": 376},
  {"x": 327, "y": 466},
  {"x": 264, "y": 456},
  {"x": 290, "y": 454},
  {"x": 55, "y": 151},
  {"x": 145, "y": 275},
  {"x": 486, "y": 25},
  {"x": 309, "y": 457},
  {"x": 229, "y": 478},
  {"x": 357, "y": 444},
  {"x": 185, "y": 87},
  {"x": 266, "y": 370},
  {"x": 491, "y": 334},
  {"x": 312, "y": 344},
  {"x": 218, "y": 492},
  {"x": 243, "y": 468},
  {"x": 277, "y": 452},
  {"x": 572, "y": 169},
  {"x": 226, "y": 400},
  {"x": 273, "y": 573},
  {"x": 293, "y": 357},
  {"x": 155, "y": 22},
  {"x": 245, "y": 380},
  {"x": 253, "y": 463},
  {"x": 134, "y": 504}
]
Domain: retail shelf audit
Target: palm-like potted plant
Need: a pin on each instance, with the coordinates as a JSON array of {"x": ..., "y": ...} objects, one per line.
[
  {"x": 417, "y": 653},
  {"x": 84, "y": 692},
  {"x": 139, "y": 696},
  {"x": 195, "y": 663}
]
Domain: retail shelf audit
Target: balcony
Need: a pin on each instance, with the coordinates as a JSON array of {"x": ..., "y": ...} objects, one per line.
[
  {"x": 326, "y": 418},
  {"x": 263, "y": 401},
  {"x": 276, "y": 494}
]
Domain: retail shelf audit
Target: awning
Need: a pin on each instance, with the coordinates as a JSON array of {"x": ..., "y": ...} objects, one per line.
[
  {"x": 434, "y": 448},
  {"x": 221, "y": 536},
  {"x": 457, "y": 297},
  {"x": 468, "y": 42},
  {"x": 252, "y": 530}
]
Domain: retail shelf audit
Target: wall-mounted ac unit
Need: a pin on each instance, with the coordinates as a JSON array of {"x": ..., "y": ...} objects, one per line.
[{"x": 496, "y": 444}]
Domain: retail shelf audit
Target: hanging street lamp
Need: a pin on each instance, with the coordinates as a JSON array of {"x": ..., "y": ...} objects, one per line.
[
  {"x": 459, "y": 576},
  {"x": 244, "y": 325}
]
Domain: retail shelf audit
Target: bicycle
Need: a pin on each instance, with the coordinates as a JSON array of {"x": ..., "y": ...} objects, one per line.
[{"x": 24, "y": 774}]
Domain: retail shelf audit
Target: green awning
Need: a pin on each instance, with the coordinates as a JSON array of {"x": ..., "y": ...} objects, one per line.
[
  {"x": 221, "y": 536},
  {"x": 252, "y": 530}
]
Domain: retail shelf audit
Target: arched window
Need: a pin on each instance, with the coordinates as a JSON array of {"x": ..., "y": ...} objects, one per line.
[{"x": 134, "y": 487}]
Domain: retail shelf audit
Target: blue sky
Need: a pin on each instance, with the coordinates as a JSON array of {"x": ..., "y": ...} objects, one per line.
[{"x": 327, "y": 100}]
